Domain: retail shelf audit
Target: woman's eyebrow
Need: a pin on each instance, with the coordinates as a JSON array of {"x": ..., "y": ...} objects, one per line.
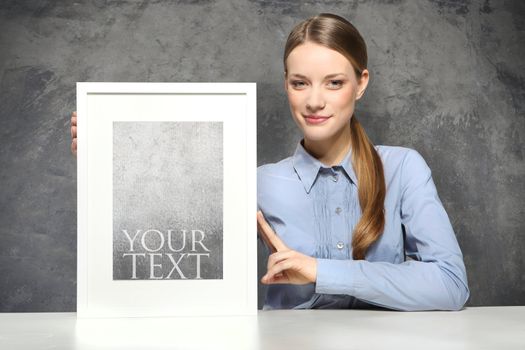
[{"x": 326, "y": 77}]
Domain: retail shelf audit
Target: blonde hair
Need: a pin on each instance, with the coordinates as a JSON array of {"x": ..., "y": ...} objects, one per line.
[{"x": 338, "y": 34}]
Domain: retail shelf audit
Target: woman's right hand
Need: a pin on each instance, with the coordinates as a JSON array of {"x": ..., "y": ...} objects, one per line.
[{"x": 74, "y": 133}]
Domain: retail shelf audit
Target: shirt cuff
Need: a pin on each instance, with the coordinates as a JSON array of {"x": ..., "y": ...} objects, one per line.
[{"x": 337, "y": 276}]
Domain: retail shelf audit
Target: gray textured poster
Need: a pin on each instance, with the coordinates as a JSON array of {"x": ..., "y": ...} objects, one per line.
[{"x": 167, "y": 200}]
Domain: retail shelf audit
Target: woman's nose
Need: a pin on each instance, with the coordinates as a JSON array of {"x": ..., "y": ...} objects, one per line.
[{"x": 315, "y": 100}]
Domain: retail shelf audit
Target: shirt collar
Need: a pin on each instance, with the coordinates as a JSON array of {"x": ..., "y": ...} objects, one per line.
[{"x": 307, "y": 166}]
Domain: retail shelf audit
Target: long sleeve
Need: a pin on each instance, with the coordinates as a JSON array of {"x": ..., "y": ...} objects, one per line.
[{"x": 435, "y": 280}]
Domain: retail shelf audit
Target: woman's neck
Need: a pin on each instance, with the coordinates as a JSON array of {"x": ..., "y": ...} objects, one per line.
[{"x": 332, "y": 151}]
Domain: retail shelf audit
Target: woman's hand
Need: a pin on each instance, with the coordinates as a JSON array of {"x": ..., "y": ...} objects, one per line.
[
  {"x": 284, "y": 264},
  {"x": 74, "y": 133}
]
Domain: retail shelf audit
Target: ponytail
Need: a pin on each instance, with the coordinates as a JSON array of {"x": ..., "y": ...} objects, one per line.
[{"x": 371, "y": 190}]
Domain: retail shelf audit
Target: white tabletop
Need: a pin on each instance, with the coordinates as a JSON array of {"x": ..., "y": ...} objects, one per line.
[{"x": 471, "y": 328}]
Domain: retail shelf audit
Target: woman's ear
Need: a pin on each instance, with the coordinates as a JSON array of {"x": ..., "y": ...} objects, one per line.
[{"x": 362, "y": 83}]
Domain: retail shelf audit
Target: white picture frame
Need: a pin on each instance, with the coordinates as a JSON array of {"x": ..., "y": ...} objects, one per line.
[{"x": 102, "y": 109}]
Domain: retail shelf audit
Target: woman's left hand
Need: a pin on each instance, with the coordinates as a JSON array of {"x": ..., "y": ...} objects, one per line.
[{"x": 284, "y": 264}]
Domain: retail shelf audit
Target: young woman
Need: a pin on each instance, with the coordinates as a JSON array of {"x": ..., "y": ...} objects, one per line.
[
  {"x": 341, "y": 216},
  {"x": 349, "y": 224}
]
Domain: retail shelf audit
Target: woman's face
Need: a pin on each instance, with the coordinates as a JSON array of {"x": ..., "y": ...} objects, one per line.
[{"x": 322, "y": 89}]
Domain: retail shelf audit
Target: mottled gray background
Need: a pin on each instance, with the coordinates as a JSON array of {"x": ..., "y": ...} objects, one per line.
[
  {"x": 168, "y": 176},
  {"x": 447, "y": 78}
]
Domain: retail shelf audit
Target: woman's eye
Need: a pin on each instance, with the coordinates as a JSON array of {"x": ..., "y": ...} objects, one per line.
[
  {"x": 336, "y": 83},
  {"x": 297, "y": 83}
]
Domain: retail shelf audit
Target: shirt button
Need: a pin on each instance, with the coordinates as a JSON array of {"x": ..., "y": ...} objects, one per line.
[
  {"x": 335, "y": 177},
  {"x": 338, "y": 210},
  {"x": 340, "y": 245}
]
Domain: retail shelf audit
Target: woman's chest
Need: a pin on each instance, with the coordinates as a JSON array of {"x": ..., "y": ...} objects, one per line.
[{"x": 321, "y": 223}]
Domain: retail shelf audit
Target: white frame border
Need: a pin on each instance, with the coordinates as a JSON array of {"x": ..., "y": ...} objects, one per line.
[{"x": 85, "y": 88}]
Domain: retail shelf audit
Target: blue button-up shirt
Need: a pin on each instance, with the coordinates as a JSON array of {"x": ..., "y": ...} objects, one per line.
[{"x": 416, "y": 264}]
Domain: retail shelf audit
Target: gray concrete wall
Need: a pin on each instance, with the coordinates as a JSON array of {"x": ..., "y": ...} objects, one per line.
[{"x": 447, "y": 78}]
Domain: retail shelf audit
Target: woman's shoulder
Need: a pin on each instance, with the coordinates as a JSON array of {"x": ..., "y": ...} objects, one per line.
[
  {"x": 282, "y": 169},
  {"x": 393, "y": 151},
  {"x": 402, "y": 161},
  {"x": 278, "y": 184},
  {"x": 397, "y": 154},
  {"x": 405, "y": 162}
]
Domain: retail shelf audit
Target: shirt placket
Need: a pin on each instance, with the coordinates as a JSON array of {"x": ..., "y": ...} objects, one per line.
[{"x": 339, "y": 236}]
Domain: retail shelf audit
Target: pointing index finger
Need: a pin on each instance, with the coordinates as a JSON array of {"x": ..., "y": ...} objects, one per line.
[
  {"x": 265, "y": 238},
  {"x": 268, "y": 233}
]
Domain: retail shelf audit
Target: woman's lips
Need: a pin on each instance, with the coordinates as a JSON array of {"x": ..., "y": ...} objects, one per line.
[{"x": 315, "y": 119}]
